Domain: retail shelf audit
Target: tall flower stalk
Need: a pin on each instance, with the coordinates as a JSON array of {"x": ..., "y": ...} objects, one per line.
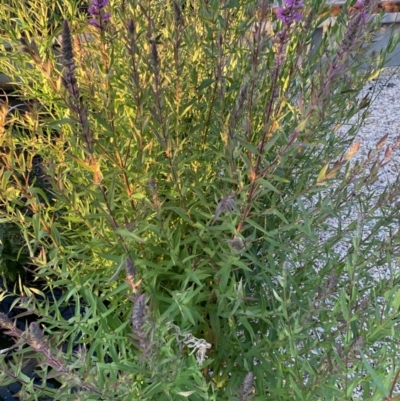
[
  {"x": 290, "y": 12},
  {"x": 71, "y": 84},
  {"x": 288, "y": 15},
  {"x": 99, "y": 16}
]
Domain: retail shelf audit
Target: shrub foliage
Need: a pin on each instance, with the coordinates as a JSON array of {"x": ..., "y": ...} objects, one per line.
[{"x": 184, "y": 174}]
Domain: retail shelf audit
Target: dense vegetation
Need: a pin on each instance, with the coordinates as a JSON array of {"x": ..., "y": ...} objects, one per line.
[{"x": 181, "y": 177}]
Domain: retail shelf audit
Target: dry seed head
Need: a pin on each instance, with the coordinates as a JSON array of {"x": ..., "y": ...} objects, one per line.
[
  {"x": 139, "y": 312},
  {"x": 37, "y": 341},
  {"x": 199, "y": 345},
  {"x": 70, "y": 83},
  {"x": 243, "y": 94},
  {"x": 237, "y": 244},
  {"x": 227, "y": 204},
  {"x": 246, "y": 386},
  {"x": 130, "y": 268},
  {"x": 131, "y": 27},
  {"x": 5, "y": 321},
  {"x": 154, "y": 55},
  {"x": 177, "y": 14},
  {"x": 364, "y": 303},
  {"x": 381, "y": 142},
  {"x": 351, "y": 33},
  {"x": 239, "y": 104},
  {"x": 138, "y": 319},
  {"x": 32, "y": 49},
  {"x": 131, "y": 37},
  {"x": 332, "y": 281},
  {"x": 357, "y": 343},
  {"x": 152, "y": 185},
  {"x": 68, "y": 80},
  {"x": 67, "y": 52},
  {"x": 309, "y": 19},
  {"x": 36, "y": 332},
  {"x": 356, "y": 23}
]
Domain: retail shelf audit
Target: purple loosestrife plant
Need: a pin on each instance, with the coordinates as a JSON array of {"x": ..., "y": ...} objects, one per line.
[
  {"x": 356, "y": 28},
  {"x": 99, "y": 16},
  {"x": 290, "y": 12},
  {"x": 221, "y": 170},
  {"x": 288, "y": 15},
  {"x": 70, "y": 82}
]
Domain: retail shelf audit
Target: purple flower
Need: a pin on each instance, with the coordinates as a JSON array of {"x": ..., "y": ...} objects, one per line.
[
  {"x": 99, "y": 3},
  {"x": 93, "y": 11},
  {"x": 289, "y": 12},
  {"x": 96, "y": 10},
  {"x": 363, "y": 6}
]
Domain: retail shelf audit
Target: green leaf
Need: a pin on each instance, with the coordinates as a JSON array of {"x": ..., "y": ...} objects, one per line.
[
  {"x": 378, "y": 382},
  {"x": 266, "y": 184},
  {"x": 302, "y": 125},
  {"x": 395, "y": 301},
  {"x": 206, "y": 83},
  {"x": 344, "y": 306},
  {"x": 243, "y": 141},
  {"x": 186, "y": 393},
  {"x": 127, "y": 234},
  {"x": 322, "y": 174}
]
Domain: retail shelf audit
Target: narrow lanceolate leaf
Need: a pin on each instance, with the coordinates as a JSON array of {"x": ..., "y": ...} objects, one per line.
[
  {"x": 227, "y": 204},
  {"x": 322, "y": 173},
  {"x": 388, "y": 153},
  {"x": 302, "y": 125},
  {"x": 335, "y": 169},
  {"x": 331, "y": 174},
  {"x": 365, "y": 102},
  {"x": 352, "y": 151},
  {"x": 127, "y": 234},
  {"x": 186, "y": 393},
  {"x": 378, "y": 382},
  {"x": 268, "y": 185},
  {"x": 381, "y": 142}
]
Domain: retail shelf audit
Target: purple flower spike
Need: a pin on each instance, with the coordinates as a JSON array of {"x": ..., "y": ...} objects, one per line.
[
  {"x": 93, "y": 11},
  {"x": 99, "y": 3},
  {"x": 96, "y": 10},
  {"x": 94, "y": 23},
  {"x": 289, "y": 12}
]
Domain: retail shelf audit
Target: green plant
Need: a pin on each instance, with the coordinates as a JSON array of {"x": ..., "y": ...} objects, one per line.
[
  {"x": 12, "y": 255},
  {"x": 198, "y": 154}
]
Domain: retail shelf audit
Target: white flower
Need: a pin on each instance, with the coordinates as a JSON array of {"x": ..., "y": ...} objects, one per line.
[{"x": 199, "y": 346}]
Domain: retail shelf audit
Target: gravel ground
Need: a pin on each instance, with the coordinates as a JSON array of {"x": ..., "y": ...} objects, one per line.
[{"x": 383, "y": 119}]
